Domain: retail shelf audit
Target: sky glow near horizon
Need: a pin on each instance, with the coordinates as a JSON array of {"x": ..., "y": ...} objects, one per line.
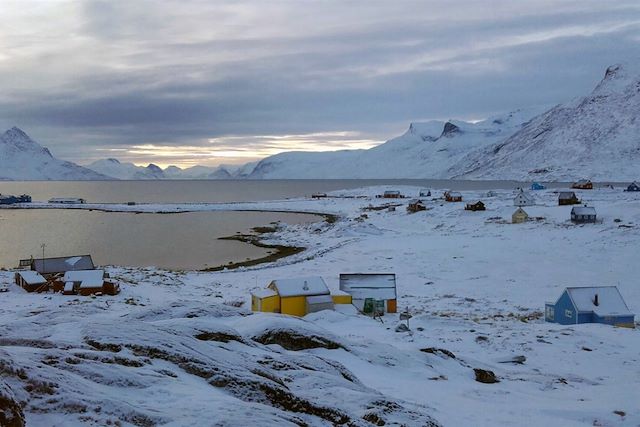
[{"x": 210, "y": 82}]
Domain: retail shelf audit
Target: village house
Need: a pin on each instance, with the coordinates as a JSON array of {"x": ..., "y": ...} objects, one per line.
[
  {"x": 477, "y": 206},
  {"x": 87, "y": 282},
  {"x": 450, "y": 196},
  {"x": 6, "y": 199},
  {"x": 319, "y": 196},
  {"x": 31, "y": 281},
  {"x": 416, "y": 205},
  {"x": 596, "y": 304},
  {"x": 392, "y": 194},
  {"x": 634, "y": 186},
  {"x": 373, "y": 287},
  {"x": 568, "y": 198},
  {"x": 583, "y": 184},
  {"x": 50, "y": 266},
  {"x": 523, "y": 199},
  {"x": 519, "y": 216},
  {"x": 537, "y": 186},
  {"x": 296, "y": 297},
  {"x": 583, "y": 214}
]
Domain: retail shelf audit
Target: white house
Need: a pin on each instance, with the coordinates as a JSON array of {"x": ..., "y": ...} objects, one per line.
[{"x": 523, "y": 199}]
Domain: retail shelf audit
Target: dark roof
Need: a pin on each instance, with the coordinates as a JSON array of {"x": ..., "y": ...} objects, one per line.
[
  {"x": 567, "y": 195},
  {"x": 62, "y": 264}
]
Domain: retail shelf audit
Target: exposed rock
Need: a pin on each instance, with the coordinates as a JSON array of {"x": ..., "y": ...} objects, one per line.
[
  {"x": 485, "y": 376},
  {"x": 438, "y": 352},
  {"x": 294, "y": 340},
  {"x": 11, "y": 414}
]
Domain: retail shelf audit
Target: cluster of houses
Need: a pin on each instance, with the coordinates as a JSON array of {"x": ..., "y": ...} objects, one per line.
[
  {"x": 370, "y": 293},
  {"x": 75, "y": 275},
  {"x": 375, "y": 294},
  {"x": 67, "y": 201},
  {"x": 8, "y": 199}
]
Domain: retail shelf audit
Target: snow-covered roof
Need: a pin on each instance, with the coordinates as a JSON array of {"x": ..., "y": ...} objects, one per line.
[
  {"x": 414, "y": 201},
  {"x": 68, "y": 286},
  {"x": 454, "y": 194},
  {"x": 32, "y": 277},
  {"x": 301, "y": 286},
  {"x": 567, "y": 195},
  {"x": 520, "y": 211},
  {"x": 62, "y": 264},
  {"x": 264, "y": 293},
  {"x": 369, "y": 285},
  {"x": 392, "y": 192},
  {"x": 87, "y": 278},
  {"x": 583, "y": 210},
  {"x": 610, "y": 301}
]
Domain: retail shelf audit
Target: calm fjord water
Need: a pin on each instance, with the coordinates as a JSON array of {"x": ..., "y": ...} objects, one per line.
[{"x": 177, "y": 241}]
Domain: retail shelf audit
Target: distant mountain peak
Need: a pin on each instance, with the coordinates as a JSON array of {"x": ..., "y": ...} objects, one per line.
[{"x": 450, "y": 130}]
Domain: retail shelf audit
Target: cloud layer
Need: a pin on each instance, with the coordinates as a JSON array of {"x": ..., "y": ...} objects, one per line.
[{"x": 213, "y": 82}]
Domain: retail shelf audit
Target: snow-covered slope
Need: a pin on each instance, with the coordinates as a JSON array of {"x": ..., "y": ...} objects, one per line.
[
  {"x": 596, "y": 137},
  {"x": 21, "y": 158},
  {"x": 426, "y": 150}
]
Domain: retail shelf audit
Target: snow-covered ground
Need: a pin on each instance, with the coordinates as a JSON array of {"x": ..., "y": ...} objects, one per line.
[{"x": 175, "y": 349}]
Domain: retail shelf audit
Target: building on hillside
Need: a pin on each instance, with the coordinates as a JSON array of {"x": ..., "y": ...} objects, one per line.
[
  {"x": 537, "y": 186},
  {"x": 477, "y": 206},
  {"x": 296, "y": 297},
  {"x": 85, "y": 282},
  {"x": 523, "y": 199},
  {"x": 371, "y": 286},
  {"x": 582, "y": 214},
  {"x": 425, "y": 192},
  {"x": 519, "y": 216},
  {"x": 31, "y": 281},
  {"x": 319, "y": 196},
  {"x": 596, "y": 304},
  {"x": 583, "y": 184},
  {"x": 416, "y": 205},
  {"x": 50, "y": 266},
  {"x": 568, "y": 198},
  {"x": 491, "y": 193},
  {"x": 452, "y": 196},
  {"x": 392, "y": 194},
  {"x": 67, "y": 200},
  {"x": 634, "y": 186}
]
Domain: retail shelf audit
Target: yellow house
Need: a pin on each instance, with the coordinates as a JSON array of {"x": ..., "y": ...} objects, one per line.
[
  {"x": 519, "y": 216},
  {"x": 296, "y": 297}
]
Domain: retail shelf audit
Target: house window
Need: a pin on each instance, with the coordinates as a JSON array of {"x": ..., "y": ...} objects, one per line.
[
  {"x": 550, "y": 313},
  {"x": 568, "y": 313}
]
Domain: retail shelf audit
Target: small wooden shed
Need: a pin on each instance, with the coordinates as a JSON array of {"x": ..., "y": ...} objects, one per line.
[
  {"x": 583, "y": 214},
  {"x": 31, "y": 281},
  {"x": 583, "y": 184},
  {"x": 568, "y": 198},
  {"x": 392, "y": 194},
  {"x": 452, "y": 196},
  {"x": 416, "y": 205},
  {"x": 477, "y": 206},
  {"x": 519, "y": 216},
  {"x": 375, "y": 286},
  {"x": 594, "y": 304}
]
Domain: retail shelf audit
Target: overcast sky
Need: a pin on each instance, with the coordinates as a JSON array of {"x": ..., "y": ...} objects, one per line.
[{"x": 204, "y": 82}]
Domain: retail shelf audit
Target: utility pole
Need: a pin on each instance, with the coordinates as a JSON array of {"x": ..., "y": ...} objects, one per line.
[{"x": 43, "y": 246}]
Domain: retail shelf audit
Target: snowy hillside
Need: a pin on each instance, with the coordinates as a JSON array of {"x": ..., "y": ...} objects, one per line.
[
  {"x": 426, "y": 150},
  {"x": 596, "y": 137},
  {"x": 21, "y": 158}
]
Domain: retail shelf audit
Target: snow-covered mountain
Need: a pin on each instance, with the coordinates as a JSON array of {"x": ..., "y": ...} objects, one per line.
[
  {"x": 21, "y": 158},
  {"x": 128, "y": 171},
  {"x": 426, "y": 150},
  {"x": 595, "y": 137}
]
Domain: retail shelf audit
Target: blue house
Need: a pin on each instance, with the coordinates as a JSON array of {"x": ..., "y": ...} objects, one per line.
[
  {"x": 596, "y": 304},
  {"x": 537, "y": 186}
]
